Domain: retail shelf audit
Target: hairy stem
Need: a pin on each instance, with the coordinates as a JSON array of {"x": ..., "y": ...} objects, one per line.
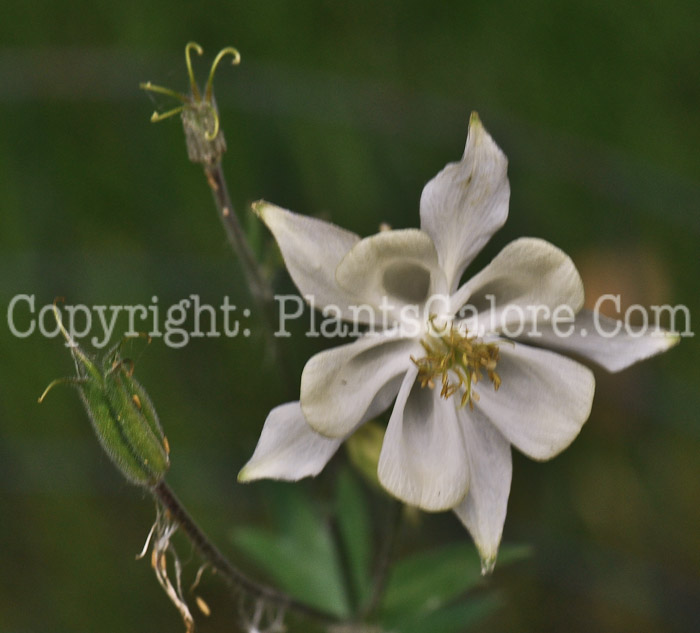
[{"x": 234, "y": 577}]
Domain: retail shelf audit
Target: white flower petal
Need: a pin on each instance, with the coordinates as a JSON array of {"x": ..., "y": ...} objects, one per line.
[
  {"x": 288, "y": 448},
  {"x": 423, "y": 460},
  {"x": 604, "y": 340},
  {"x": 383, "y": 399},
  {"x": 483, "y": 510},
  {"x": 395, "y": 267},
  {"x": 339, "y": 385},
  {"x": 312, "y": 250},
  {"x": 526, "y": 279},
  {"x": 543, "y": 400},
  {"x": 467, "y": 202}
]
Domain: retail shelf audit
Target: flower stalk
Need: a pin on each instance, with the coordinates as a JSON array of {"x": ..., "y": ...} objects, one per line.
[
  {"x": 206, "y": 145},
  {"x": 385, "y": 557},
  {"x": 259, "y": 287}
]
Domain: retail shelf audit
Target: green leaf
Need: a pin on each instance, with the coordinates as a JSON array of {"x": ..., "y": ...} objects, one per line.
[
  {"x": 355, "y": 528},
  {"x": 428, "y": 581},
  {"x": 453, "y": 619},
  {"x": 299, "y": 555}
]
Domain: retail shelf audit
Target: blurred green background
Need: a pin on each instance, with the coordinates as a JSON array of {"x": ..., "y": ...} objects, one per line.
[{"x": 343, "y": 110}]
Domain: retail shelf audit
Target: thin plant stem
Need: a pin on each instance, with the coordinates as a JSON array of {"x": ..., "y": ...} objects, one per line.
[
  {"x": 344, "y": 559},
  {"x": 234, "y": 577},
  {"x": 384, "y": 559},
  {"x": 259, "y": 287}
]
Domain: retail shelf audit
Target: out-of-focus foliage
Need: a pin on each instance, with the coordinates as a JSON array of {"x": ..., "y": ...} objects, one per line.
[
  {"x": 343, "y": 110},
  {"x": 307, "y": 550}
]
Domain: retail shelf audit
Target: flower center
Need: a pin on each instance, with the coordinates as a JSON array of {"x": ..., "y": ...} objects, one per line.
[{"x": 458, "y": 360}]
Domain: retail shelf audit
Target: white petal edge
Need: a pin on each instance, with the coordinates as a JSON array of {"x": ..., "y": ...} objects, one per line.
[
  {"x": 312, "y": 250},
  {"x": 467, "y": 202},
  {"x": 392, "y": 268},
  {"x": 605, "y": 341},
  {"x": 543, "y": 401},
  {"x": 423, "y": 461},
  {"x": 288, "y": 448},
  {"x": 338, "y": 385},
  {"x": 527, "y": 281},
  {"x": 483, "y": 510}
]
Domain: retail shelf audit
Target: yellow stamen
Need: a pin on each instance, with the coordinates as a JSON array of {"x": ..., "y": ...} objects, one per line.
[{"x": 458, "y": 361}]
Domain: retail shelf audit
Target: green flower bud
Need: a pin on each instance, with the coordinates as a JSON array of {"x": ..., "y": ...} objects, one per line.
[{"x": 122, "y": 414}]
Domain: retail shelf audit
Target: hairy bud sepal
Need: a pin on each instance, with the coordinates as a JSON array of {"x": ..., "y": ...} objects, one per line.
[
  {"x": 126, "y": 422},
  {"x": 122, "y": 415}
]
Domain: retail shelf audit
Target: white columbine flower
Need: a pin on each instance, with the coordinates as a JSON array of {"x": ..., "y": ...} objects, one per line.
[{"x": 463, "y": 394}]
